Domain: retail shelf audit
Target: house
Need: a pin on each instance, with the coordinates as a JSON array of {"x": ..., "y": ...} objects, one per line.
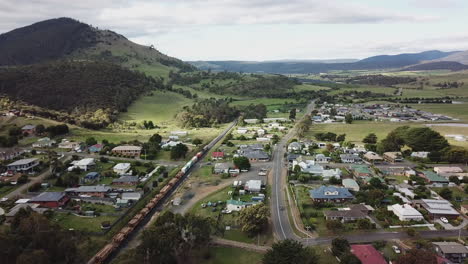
[
  {"x": 170, "y": 144},
  {"x": 50, "y": 199},
  {"x": 320, "y": 158},
  {"x": 360, "y": 171},
  {"x": 405, "y": 212},
  {"x": 393, "y": 157},
  {"x": 310, "y": 167},
  {"x": 23, "y": 165},
  {"x": 253, "y": 185},
  {"x": 92, "y": 176},
  {"x": 131, "y": 196},
  {"x": 448, "y": 171},
  {"x": 373, "y": 157},
  {"x": 350, "y": 158},
  {"x": 221, "y": 168},
  {"x": 217, "y": 155},
  {"x": 420, "y": 154},
  {"x": 256, "y": 155},
  {"x": 453, "y": 251},
  {"x": 242, "y": 130},
  {"x": 263, "y": 139},
  {"x": 432, "y": 177},
  {"x": 292, "y": 157},
  {"x": 235, "y": 205},
  {"x": 350, "y": 184},
  {"x": 128, "y": 151},
  {"x": 367, "y": 254},
  {"x": 13, "y": 211},
  {"x": 406, "y": 191},
  {"x": 122, "y": 168},
  {"x": 344, "y": 215},
  {"x": 464, "y": 209},
  {"x": 251, "y": 121},
  {"x": 28, "y": 130},
  {"x": 330, "y": 194},
  {"x": 10, "y": 153},
  {"x": 294, "y": 147},
  {"x": 44, "y": 143},
  {"x": 437, "y": 208},
  {"x": 126, "y": 180},
  {"x": 94, "y": 191},
  {"x": 65, "y": 144},
  {"x": 96, "y": 148},
  {"x": 179, "y": 133},
  {"x": 83, "y": 164},
  {"x": 261, "y": 132}
]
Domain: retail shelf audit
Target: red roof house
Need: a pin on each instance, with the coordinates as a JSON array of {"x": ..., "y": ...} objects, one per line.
[
  {"x": 367, "y": 254},
  {"x": 217, "y": 155}
]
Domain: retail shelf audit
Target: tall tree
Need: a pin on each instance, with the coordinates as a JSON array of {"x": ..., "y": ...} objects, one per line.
[
  {"x": 370, "y": 139},
  {"x": 290, "y": 251},
  {"x": 254, "y": 219},
  {"x": 292, "y": 114}
]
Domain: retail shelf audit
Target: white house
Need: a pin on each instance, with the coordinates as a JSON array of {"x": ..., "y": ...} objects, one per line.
[
  {"x": 235, "y": 205},
  {"x": 350, "y": 158},
  {"x": 83, "y": 164},
  {"x": 242, "y": 130},
  {"x": 170, "y": 144},
  {"x": 179, "y": 133},
  {"x": 294, "y": 146},
  {"x": 420, "y": 154},
  {"x": 406, "y": 212},
  {"x": 44, "y": 143},
  {"x": 122, "y": 168},
  {"x": 320, "y": 158},
  {"x": 253, "y": 185}
]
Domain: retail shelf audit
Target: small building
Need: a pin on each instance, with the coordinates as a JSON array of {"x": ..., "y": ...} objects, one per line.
[
  {"x": 261, "y": 132},
  {"x": 217, "y": 155},
  {"x": 50, "y": 199},
  {"x": 350, "y": 158},
  {"x": 437, "y": 208},
  {"x": 320, "y": 158},
  {"x": 10, "y": 153},
  {"x": 170, "y": 144},
  {"x": 220, "y": 168},
  {"x": 294, "y": 146},
  {"x": 350, "y": 184},
  {"x": 44, "y": 143},
  {"x": 28, "y": 130},
  {"x": 174, "y": 138},
  {"x": 242, "y": 130},
  {"x": 235, "y": 205},
  {"x": 23, "y": 165},
  {"x": 367, "y": 254},
  {"x": 393, "y": 157},
  {"x": 92, "y": 176},
  {"x": 127, "y": 151},
  {"x": 131, "y": 196},
  {"x": 420, "y": 154},
  {"x": 126, "y": 180},
  {"x": 373, "y": 157},
  {"x": 122, "y": 168},
  {"x": 251, "y": 121},
  {"x": 96, "y": 148},
  {"x": 65, "y": 144},
  {"x": 453, "y": 251},
  {"x": 406, "y": 212},
  {"x": 94, "y": 191},
  {"x": 432, "y": 177},
  {"x": 330, "y": 194},
  {"x": 253, "y": 185}
]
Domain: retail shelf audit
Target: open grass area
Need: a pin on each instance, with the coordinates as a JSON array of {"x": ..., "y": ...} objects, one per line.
[
  {"x": 225, "y": 255},
  {"x": 87, "y": 224},
  {"x": 453, "y": 110}
]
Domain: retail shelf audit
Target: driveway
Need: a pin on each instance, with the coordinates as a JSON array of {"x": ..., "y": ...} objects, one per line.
[{"x": 448, "y": 226}]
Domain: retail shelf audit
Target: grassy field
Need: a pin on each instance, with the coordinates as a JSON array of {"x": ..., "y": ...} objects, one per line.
[
  {"x": 224, "y": 255},
  {"x": 453, "y": 110},
  {"x": 87, "y": 224}
]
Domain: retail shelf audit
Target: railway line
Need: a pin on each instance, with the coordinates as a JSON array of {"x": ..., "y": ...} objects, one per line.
[{"x": 152, "y": 208}]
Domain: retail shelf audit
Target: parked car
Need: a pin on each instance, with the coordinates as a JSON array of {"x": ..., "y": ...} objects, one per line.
[
  {"x": 396, "y": 249},
  {"x": 444, "y": 220}
]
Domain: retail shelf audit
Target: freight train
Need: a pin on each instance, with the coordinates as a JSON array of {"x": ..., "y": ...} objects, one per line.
[{"x": 118, "y": 238}]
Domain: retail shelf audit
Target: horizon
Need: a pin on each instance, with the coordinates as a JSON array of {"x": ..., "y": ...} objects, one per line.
[{"x": 264, "y": 30}]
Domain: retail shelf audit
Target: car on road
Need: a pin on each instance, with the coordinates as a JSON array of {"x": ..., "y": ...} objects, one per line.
[
  {"x": 444, "y": 220},
  {"x": 396, "y": 249}
]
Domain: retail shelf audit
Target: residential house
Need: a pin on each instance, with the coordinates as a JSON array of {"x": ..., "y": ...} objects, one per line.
[
  {"x": 50, "y": 199},
  {"x": 28, "y": 130},
  {"x": 122, "y": 168},
  {"x": 448, "y": 171},
  {"x": 83, "y": 164},
  {"x": 406, "y": 212},
  {"x": 420, "y": 154},
  {"x": 13, "y": 211},
  {"x": 126, "y": 180},
  {"x": 350, "y": 158},
  {"x": 10, "y": 153},
  {"x": 393, "y": 157},
  {"x": 96, "y": 148},
  {"x": 350, "y": 184},
  {"x": 251, "y": 121},
  {"x": 320, "y": 158},
  {"x": 263, "y": 139},
  {"x": 294, "y": 147},
  {"x": 373, "y": 157},
  {"x": 432, "y": 177},
  {"x": 253, "y": 185},
  {"x": 131, "y": 196},
  {"x": 179, "y": 133},
  {"x": 235, "y": 205},
  {"x": 128, "y": 151},
  {"x": 44, "y": 142},
  {"x": 452, "y": 251},
  {"x": 275, "y": 119},
  {"x": 92, "y": 176},
  {"x": 403, "y": 198},
  {"x": 437, "y": 208},
  {"x": 261, "y": 132},
  {"x": 23, "y": 165},
  {"x": 361, "y": 171},
  {"x": 242, "y": 130},
  {"x": 217, "y": 155},
  {"x": 65, "y": 144},
  {"x": 344, "y": 215},
  {"x": 254, "y": 154},
  {"x": 406, "y": 191},
  {"x": 94, "y": 191},
  {"x": 309, "y": 166},
  {"x": 330, "y": 194},
  {"x": 292, "y": 157},
  {"x": 367, "y": 254},
  {"x": 220, "y": 168}
]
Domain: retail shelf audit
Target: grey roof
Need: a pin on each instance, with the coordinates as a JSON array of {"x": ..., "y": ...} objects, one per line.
[
  {"x": 221, "y": 166},
  {"x": 22, "y": 162},
  {"x": 126, "y": 179},
  {"x": 349, "y": 156},
  {"x": 13, "y": 211},
  {"x": 319, "y": 193},
  {"x": 48, "y": 197},
  {"x": 27, "y": 127},
  {"x": 353, "y": 213},
  {"x": 95, "y": 188},
  {"x": 451, "y": 247},
  {"x": 255, "y": 154}
]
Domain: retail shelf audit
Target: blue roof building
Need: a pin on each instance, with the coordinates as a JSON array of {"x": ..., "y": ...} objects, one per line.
[
  {"x": 92, "y": 176},
  {"x": 330, "y": 194}
]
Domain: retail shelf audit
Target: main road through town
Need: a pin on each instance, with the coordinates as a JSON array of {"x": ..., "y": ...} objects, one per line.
[{"x": 282, "y": 227}]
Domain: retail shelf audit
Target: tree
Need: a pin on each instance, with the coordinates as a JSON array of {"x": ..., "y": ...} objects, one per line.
[
  {"x": 446, "y": 193},
  {"x": 348, "y": 118},
  {"x": 254, "y": 219},
  {"x": 370, "y": 139},
  {"x": 179, "y": 151},
  {"x": 242, "y": 163},
  {"x": 290, "y": 251},
  {"x": 197, "y": 141},
  {"x": 341, "y": 138},
  {"x": 91, "y": 141},
  {"x": 340, "y": 246},
  {"x": 40, "y": 129},
  {"x": 292, "y": 114},
  {"x": 417, "y": 256},
  {"x": 334, "y": 180},
  {"x": 454, "y": 179},
  {"x": 350, "y": 259},
  {"x": 275, "y": 139},
  {"x": 393, "y": 142},
  {"x": 425, "y": 139},
  {"x": 304, "y": 126},
  {"x": 334, "y": 225},
  {"x": 364, "y": 224}
]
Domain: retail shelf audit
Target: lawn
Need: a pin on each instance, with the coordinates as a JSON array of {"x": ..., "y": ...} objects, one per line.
[
  {"x": 225, "y": 255},
  {"x": 457, "y": 194},
  {"x": 87, "y": 224},
  {"x": 452, "y": 110}
]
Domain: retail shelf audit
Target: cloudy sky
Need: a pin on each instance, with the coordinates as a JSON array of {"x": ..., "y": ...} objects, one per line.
[{"x": 263, "y": 29}]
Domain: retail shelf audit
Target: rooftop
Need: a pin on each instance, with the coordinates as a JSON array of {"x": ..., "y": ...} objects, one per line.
[
  {"x": 433, "y": 177},
  {"x": 22, "y": 162},
  {"x": 451, "y": 247},
  {"x": 367, "y": 254},
  {"x": 126, "y": 179},
  {"x": 127, "y": 148},
  {"x": 330, "y": 192},
  {"x": 48, "y": 197},
  {"x": 83, "y": 189}
]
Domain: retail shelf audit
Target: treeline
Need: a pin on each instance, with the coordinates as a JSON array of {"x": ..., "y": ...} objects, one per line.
[
  {"x": 449, "y": 85},
  {"x": 85, "y": 93},
  {"x": 417, "y": 100},
  {"x": 207, "y": 112},
  {"x": 381, "y": 80},
  {"x": 363, "y": 94}
]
